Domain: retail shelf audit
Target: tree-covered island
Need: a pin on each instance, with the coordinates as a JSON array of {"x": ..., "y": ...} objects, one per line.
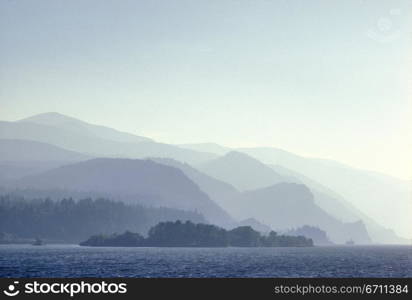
[{"x": 189, "y": 234}]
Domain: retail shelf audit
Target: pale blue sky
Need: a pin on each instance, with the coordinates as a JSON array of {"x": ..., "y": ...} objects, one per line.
[{"x": 328, "y": 79}]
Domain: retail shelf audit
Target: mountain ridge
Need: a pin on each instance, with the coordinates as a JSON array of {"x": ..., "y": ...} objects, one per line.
[
  {"x": 69, "y": 123},
  {"x": 235, "y": 168},
  {"x": 94, "y": 145},
  {"x": 130, "y": 180}
]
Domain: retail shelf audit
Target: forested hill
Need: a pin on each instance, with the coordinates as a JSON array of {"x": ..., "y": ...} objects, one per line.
[{"x": 73, "y": 221}]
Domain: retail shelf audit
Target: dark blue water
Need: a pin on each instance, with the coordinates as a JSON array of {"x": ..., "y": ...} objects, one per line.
[{"x": 75, "y": 261}]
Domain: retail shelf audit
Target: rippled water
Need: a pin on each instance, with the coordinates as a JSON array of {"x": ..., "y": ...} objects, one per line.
[{"x": 75, "y": 261}]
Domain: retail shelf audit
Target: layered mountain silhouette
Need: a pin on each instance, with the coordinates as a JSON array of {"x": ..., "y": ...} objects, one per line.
[
  {"x": 329, "y": 199},
  {"x": 75, "y": 135},
  {"x": 131, "y": 180},
  {"x": 324, "y": 197},
  {"x": 20, "y": 158},
  {"x": 74, "y": 125},
  {"x": 52, "y": 152},
  {"x": 248, "y": 173},
  {"x": 381, "y": 197},
  {"x": 218, "y": 190},
  {"x": 24, "y": 150},
  {"x": 288, "y": 205},
  {"x": 341, "y": 209},
  {"x": 296, "y": 199}
]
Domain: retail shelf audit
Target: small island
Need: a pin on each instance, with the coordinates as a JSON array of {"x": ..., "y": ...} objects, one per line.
[{"x": 188, "y": 234}]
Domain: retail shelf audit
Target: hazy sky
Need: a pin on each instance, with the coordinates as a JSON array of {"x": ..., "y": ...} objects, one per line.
[{"x": 328, "y": 79}]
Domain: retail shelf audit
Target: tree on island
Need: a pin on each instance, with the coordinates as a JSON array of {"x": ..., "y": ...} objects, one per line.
[
  {"x": 188, "y": 234},
  {"x": 244, "y": 236}
]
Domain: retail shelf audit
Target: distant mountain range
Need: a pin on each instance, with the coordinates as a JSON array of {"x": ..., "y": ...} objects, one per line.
[
  {"x": 289, "y": 205},
  {"x": 75, "y": 135},
  {"x": 131, "y": 180},
  {"x": 262, "y": 185},
  {"x": 338, "y": 207},
  {"x": 83, "y": 128},
  {"x": 295, "y": 211},
  {"x": 25, "y": 150},
  {"x": 20, "y": 158},
  {"x": 383, "y": 198},
  {"x": 348, "y": 193}
]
